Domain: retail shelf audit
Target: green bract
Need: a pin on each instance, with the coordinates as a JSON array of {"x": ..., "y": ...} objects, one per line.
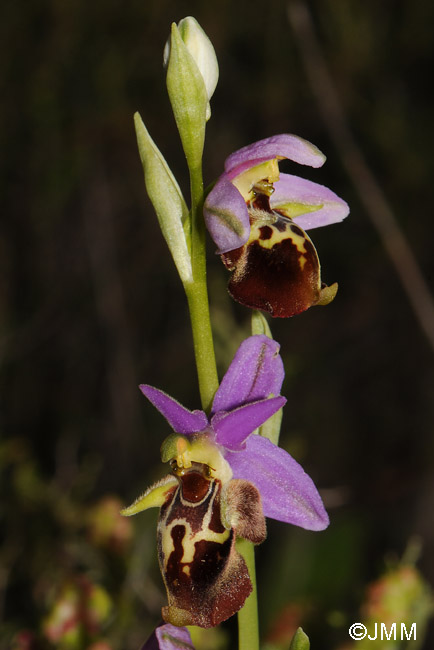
[
  {"x": 271, "y": 428},
  {"x": 167, "y": 199},
  {"x": 189, "y": 98},
  {"x": 260, "y": 324}
]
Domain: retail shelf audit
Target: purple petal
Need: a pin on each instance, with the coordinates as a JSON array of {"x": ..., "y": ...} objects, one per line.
[
  {"x": 226, "y": 216},
  {"x": 233, "y": 428},
  {"x": 288, "y": 493},
  {"x": 256, "y": 371},
  {"x": 278, "y": 146},
  {"x": 180, "y": 419},
  {"x": 169, "y": 637},
  {"x": 292, "y": 189}
]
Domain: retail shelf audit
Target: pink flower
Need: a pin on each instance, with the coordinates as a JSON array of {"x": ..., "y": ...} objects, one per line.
[{"x": 258, "y": 217}]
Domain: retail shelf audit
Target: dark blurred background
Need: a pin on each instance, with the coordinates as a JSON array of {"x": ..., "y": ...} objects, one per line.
[{"x": 91, "y": 306}]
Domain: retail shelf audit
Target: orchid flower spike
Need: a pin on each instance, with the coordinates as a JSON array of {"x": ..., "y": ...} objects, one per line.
[
  {"x": 225, "y": 479},
  {"x": 258, "y": 217}
]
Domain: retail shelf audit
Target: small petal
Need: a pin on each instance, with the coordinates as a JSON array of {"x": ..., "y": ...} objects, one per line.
[
  {"x": 288, "y": 493},
  {"x": 180, "y": 419},
  {"x": 278, "y": 146},
  {"x": 309, "y": 204},
  {"x": 255, "y": 373},
  {"x": 226, "y": 216},
  {"x": 169, "y": 637},
  {"x": 154, "y": 497},
  {"x": 233, "y": 428}
]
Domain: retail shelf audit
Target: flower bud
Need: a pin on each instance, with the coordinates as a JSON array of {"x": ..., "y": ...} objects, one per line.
[
  {"x": 300, "y": 641},
  {"x": 189, "y": 99},
  {"x": 201, "y": 49}
]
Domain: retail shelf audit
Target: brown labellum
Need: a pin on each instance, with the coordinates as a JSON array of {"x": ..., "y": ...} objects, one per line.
[
  {"x": 278, "y": 269},
  {"x": 206, "y": 578}
]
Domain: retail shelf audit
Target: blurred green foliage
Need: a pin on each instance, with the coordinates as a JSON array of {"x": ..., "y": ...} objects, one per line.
[{"x": 90, "y": 306}]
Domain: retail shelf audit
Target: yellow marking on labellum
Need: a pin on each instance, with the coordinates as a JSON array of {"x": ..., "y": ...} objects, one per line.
[
  {"x": 277, "y": 270},
  {"x": 167, "y": 545},
  {"x": 262, "y": 218},
  {"x": 189, "y": 540},
  {"x": 186, "y": 570},
  {"x": 266, "y": 171}
]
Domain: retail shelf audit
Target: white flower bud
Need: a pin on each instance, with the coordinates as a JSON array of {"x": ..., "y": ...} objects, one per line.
[{"x": 203, "y": 53}]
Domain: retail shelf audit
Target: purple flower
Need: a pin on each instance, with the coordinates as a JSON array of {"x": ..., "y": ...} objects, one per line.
[
  {"x": 169, "y": 637},
  {"x": 225, "y": 479},
  {"x": 248, "y": 395},
  {"x": 257, "y": 218}
]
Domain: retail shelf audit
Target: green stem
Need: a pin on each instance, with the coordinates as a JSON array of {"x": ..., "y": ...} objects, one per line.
[
  {"x": 248, "y": 628},
  {"x": 197, "y": 296}
]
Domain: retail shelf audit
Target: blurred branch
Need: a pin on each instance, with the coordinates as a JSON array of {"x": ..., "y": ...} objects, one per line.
[{"x": 375, "y": 203}]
